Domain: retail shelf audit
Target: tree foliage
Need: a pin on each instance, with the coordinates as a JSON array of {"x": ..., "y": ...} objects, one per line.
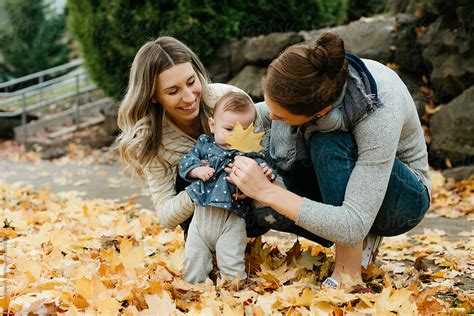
[
  {"x": 110, "y": 32},
  {"x": 33, "y": 40}
]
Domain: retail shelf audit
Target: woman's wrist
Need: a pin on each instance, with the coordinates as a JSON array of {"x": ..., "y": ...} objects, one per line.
[
  {"x": 268, "y": 194},
  {"x": 281, "y": 200}
]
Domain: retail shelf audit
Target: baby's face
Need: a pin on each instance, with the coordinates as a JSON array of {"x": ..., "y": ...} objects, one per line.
[{"x": 224, "y": 121}]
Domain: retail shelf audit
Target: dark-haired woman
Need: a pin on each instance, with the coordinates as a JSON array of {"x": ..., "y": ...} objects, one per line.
[{"x": 348, "y": 142}]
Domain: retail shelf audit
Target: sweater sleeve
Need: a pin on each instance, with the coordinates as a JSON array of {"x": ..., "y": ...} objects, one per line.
[
  {"x": 192, "y": 159},
  {"x": 172, "y": 209},
  {"x": 377, "y": 138}
]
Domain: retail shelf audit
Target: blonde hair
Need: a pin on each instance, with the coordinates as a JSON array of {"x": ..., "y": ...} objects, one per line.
[{"x": 140, "y": 117}]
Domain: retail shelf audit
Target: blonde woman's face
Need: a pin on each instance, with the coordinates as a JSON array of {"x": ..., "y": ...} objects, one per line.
[{"x": 178, "y": 90}]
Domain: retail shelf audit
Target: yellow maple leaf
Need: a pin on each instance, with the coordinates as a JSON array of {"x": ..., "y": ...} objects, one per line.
[
  {"x": 306, "y": 298},
  {"x": 160, "y": 305},
  {"x": 236, "y": 311},
  {"x": 245, "y": 140},
  {"x": 132, "y": 257},
  {"x": 108, "y": 306}
]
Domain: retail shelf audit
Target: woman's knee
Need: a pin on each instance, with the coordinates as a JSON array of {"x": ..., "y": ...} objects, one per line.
[
  {"x": 401, "y": 211},
  {"x": 328, "y": 146}
]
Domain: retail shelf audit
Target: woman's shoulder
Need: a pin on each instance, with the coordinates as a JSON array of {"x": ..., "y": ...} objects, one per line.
[
  {"x": 390, "y": 86},
  {"x": 381, "y": 73}
]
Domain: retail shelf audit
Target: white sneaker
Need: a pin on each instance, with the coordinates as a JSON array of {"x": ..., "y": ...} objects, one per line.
[
  {"x": 330, "y": 283},
  {"x": 371, "y": 249}
]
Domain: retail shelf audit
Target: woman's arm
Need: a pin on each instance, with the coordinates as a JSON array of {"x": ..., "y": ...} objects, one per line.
[
  {"x": 172, "y": 209},
  {"x": 377, "y": 138},
  {"x": 250, "y": 178}
]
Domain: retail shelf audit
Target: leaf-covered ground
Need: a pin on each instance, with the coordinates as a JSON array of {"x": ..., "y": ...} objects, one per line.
[{"x": 62, "y": 254}]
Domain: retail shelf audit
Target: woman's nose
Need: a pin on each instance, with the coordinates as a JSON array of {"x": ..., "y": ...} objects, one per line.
[{"x": 188, "y": 96}]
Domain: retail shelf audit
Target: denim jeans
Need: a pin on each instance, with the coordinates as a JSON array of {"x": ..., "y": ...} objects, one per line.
[
  {"x": 261, "y": 220},
  {"x": 325, "y": 176}
]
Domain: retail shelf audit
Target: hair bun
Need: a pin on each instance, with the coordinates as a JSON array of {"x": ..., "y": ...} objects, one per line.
[{"x": 328, "y": 54}]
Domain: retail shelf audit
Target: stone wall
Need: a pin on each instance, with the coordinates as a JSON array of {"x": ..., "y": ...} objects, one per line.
[{"x": 435, "y": 62}]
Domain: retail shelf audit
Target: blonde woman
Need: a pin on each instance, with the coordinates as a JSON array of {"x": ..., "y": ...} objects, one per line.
[{"x": 167, "y": 105}]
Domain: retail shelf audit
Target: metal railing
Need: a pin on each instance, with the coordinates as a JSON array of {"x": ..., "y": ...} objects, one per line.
[
  {"x": 26, "y": 100},
  {"x": 40, "y": 75}
]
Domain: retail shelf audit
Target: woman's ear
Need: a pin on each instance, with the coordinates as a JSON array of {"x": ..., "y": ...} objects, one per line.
[{"x": 212, "y": 124}]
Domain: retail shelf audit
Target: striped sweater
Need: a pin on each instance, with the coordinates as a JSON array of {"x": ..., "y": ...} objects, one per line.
[{"x": 174, "y": 208}]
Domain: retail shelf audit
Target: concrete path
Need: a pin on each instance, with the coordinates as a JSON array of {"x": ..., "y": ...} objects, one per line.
[{"x": 108, "y": 182}]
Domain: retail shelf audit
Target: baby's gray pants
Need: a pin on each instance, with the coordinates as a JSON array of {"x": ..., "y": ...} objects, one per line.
[{"x": 215, "y": 230}]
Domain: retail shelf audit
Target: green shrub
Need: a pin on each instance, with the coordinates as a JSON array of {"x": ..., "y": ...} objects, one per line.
[
  {"x": 110, "y": 32},
  {"x": 32, "y": 40}
]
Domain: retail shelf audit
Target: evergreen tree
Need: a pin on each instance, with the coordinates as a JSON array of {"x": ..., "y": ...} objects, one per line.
[
  {"x": 33, "y": 39},
  {"x": 111, "y": 32}
]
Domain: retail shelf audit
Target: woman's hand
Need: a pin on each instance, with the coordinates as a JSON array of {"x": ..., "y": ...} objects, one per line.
[
  {"x": 249, "y": 177},
  {"x": 267, "y": 171}
]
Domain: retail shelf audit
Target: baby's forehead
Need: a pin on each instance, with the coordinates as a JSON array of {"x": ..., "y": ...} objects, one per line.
[
  {"x": 250, "y": 109},
  {"x": 234, "y": 101}
]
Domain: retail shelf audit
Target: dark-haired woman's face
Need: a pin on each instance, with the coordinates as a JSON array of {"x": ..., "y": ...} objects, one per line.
[{"x": 278, "y": 112}]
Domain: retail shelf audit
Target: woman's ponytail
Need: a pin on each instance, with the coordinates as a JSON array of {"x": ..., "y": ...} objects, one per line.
[{"x": 328, "y": 54}]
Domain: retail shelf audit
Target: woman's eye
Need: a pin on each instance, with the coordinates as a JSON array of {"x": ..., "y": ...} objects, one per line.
[
  {"x": 190, "y": 83},
  {"x": 229, "y": 129},
  {"x": 173, "y": 92}
]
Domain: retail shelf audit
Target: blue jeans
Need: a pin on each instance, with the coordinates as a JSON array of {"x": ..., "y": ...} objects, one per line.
[
  {"x": 325, "y": 176},
  {"x": 261, "y": 220}
]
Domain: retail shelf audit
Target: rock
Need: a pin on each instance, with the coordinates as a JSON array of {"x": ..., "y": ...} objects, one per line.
[
  {"x": 110, "y": 123},
  {"x": 414, "y": 89},
  {"x": 449, "y": 51},
  {"x": 452, "y": 129},
  {"x": 459, "y": 173},
  {"x": 261, "y": 50},
  {"x": 220, "y": 66},
  {"x": 7, "y": 125},
  {"x": 250, "y": 80},
  {"x": 396, "y": 6},
  {"x": 420, "y": 101},
  {"x": 371, "y": 38},
  {"x": 53, "y": 153},
  {"x": 408, "y": 53}
]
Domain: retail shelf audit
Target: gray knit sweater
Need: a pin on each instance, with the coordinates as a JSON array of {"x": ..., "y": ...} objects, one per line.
[{"x": 391, "y": 131}]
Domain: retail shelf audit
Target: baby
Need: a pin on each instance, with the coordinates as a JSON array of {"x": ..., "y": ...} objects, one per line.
[{"x": 218, "y": 224}]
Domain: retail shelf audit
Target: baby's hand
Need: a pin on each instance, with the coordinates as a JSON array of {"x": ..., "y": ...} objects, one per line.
[
  {"x": 267, "y": 171},
  {"x": 204, "y": 173}
]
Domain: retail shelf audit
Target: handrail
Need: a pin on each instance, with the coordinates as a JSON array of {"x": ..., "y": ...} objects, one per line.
[
  {"x": 40, "y": 85},
  {"x": 42, "y": 73},
  {"x": 44, "y": 87},
  {"x": 47, "y": 102},
  {"x": 57, "y": 89}
]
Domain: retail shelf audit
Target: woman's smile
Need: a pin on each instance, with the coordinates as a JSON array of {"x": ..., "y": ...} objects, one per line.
[{"x": 189, "y": 108}]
